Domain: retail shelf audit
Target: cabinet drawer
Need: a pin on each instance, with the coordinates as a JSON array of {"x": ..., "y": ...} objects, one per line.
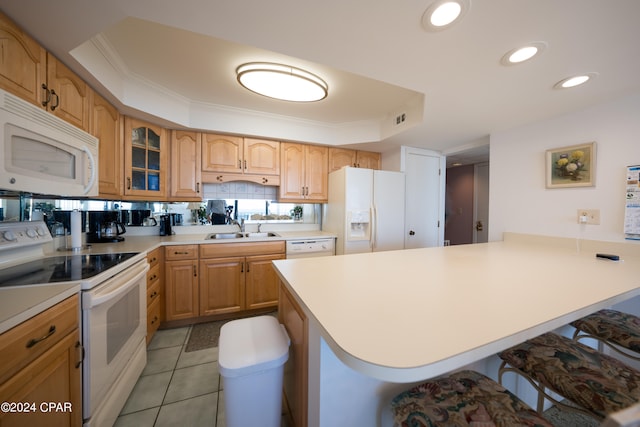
[
  {"x": 179, "y": 252},
  {"x": 153, "y": 257},
  {"x": 24, "y": 343},
  {"x": 241, "y": 249},
  {"x": 153, "y": 319},
  {"x": 153, "y": 275},
  {"x": 153, "y": 293}
]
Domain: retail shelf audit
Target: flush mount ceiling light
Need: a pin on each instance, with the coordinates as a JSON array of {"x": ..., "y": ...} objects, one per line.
[
  {"x": 443, "y": 13},
  {"x": 574, "y": 81},
  {"x": 524, "y": 53},
  {"x": 282, "y": 82}
]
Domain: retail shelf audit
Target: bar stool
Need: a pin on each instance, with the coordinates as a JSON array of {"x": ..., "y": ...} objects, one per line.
[
  {"x": 615, "y": 329},
  {"x": 599, "y": 384},
  {"x": 461, "y": 399}
]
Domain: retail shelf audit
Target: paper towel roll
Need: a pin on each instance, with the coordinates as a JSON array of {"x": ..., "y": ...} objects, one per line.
[{"x": 76, "y": 229}]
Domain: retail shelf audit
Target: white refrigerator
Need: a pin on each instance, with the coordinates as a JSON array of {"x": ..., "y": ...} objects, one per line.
[{"x": 365, "y": 210}]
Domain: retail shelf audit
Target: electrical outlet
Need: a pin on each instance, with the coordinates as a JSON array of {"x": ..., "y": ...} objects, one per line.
[{"x": 589, "y": 216}]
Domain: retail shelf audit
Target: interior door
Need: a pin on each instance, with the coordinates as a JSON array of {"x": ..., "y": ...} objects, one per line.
[
  {"x": 481, "y": 203},
  {"x": 424, "y": 216}
]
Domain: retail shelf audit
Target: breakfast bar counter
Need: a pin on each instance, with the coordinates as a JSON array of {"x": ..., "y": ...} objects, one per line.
[{"x": 406, "y": 316}]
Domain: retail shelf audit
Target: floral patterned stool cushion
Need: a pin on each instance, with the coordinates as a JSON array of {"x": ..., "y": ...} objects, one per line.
[
  {"x": 611, "y": 327},
  {"x": 592, "y": 380},
  {"x": 465, "y": 398}
]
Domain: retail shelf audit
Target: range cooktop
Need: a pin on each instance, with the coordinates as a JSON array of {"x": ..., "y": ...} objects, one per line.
[{"x": 63, "y": 268}]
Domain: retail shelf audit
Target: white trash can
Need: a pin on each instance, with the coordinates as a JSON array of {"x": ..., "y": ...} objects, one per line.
[{"x": 251, "y": 358}]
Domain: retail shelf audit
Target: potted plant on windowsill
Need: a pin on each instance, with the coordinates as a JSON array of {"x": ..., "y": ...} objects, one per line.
[{"x": 296, "y": 213}]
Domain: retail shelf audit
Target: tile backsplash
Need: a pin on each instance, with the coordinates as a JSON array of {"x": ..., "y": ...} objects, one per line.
[{"x": 239, "y": 190}]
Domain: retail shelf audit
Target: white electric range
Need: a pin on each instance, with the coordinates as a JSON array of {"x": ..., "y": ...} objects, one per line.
[{"x": 113, "y": 309}]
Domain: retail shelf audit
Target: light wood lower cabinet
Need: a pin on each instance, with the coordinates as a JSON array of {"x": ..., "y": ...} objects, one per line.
[
  {"x": 220, "y": 279},
  {"x": 46, "y": 369},
  {"x": 237, "y": 277},
  {"x": 181, "y": 282},
  {"x": 221, "y": 289},
  {"x": 295, "y": 370},
  {"x": 155, "y": 300}
]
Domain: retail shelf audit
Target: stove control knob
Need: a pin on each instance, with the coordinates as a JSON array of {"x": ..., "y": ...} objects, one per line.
[
  {"x": 31, "y": 233},
  {"x": 10, "y": 236},
  {"x": 41, "y": 232}
]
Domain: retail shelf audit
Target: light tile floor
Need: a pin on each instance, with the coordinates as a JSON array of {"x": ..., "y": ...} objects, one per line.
[{"x": 176, "y": 388}]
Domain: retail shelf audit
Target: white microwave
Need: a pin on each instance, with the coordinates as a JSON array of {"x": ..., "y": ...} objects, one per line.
[{"x": 43, "y": 154}]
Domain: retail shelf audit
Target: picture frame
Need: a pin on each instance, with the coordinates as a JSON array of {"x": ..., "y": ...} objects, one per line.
[{"x": 571, "y": 166}]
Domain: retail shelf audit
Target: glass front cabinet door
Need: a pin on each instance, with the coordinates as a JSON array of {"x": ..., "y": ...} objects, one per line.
[{"x": 146, "y": 160}]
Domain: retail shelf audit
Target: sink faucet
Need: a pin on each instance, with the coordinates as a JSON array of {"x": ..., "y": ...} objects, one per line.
[{"x": 239, "y": 224}]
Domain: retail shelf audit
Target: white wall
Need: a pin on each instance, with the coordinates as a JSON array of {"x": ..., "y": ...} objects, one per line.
[{"x": 519, "y": 201}]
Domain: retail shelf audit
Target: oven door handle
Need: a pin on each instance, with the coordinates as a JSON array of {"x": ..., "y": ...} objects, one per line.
[{"x": 116, "y": 286}]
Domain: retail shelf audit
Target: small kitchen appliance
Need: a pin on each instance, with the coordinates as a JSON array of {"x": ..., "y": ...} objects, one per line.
[
  {"x": 105, "y": 227},
  {"x": 165, "y": 225},
  {"x": 44, "y": 154}
]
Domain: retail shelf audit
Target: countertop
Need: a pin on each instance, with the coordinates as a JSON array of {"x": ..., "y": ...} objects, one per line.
[
  {"x": 21, "y": 303},
  {"x": 407, "y": 315}
]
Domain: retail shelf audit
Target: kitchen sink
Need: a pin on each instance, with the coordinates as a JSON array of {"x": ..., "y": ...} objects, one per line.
[
  {"x": 225, "y": 236},
  {"x": 238, "y": 235},
  {"x": 261, "y": 234}
]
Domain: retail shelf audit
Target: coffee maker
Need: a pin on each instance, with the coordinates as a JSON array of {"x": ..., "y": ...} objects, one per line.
[{"x": 105, "y": 227}]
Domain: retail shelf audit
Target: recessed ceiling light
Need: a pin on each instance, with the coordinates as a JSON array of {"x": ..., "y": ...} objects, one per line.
[
  {"x": 524, "y": 53},
  {"x": 282, "y": 82},
  {"x": 575, "y": 81},
  {"x": 443, "y": 13}
]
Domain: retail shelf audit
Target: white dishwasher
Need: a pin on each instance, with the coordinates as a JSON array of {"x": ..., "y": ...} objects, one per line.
[{"x": 310, "y": 248}]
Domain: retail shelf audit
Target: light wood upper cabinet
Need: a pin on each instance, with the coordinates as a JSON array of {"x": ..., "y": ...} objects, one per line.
[
  {"x": 261, "y": 157},
  {"x": 186, "y": 180},
  {"x": 304, "y": 176},
  {"x": 67, "y": 94},
  {"x": 105, "y": 125},
  {"x": 368, "y": 160},
  {"x": 229, "y": 158},
  {"x": 145, "y": 160},
  {"x": 221, "y": 153},
  {"x": 23, "y": 63},
  {"x": 340, "y": 157}
]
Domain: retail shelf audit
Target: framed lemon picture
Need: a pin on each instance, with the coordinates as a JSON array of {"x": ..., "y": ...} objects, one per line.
[{"x": 572, "y": 166}]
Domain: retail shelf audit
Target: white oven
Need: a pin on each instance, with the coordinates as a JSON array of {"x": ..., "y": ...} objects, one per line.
[{"x": 113, "y": 330}]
